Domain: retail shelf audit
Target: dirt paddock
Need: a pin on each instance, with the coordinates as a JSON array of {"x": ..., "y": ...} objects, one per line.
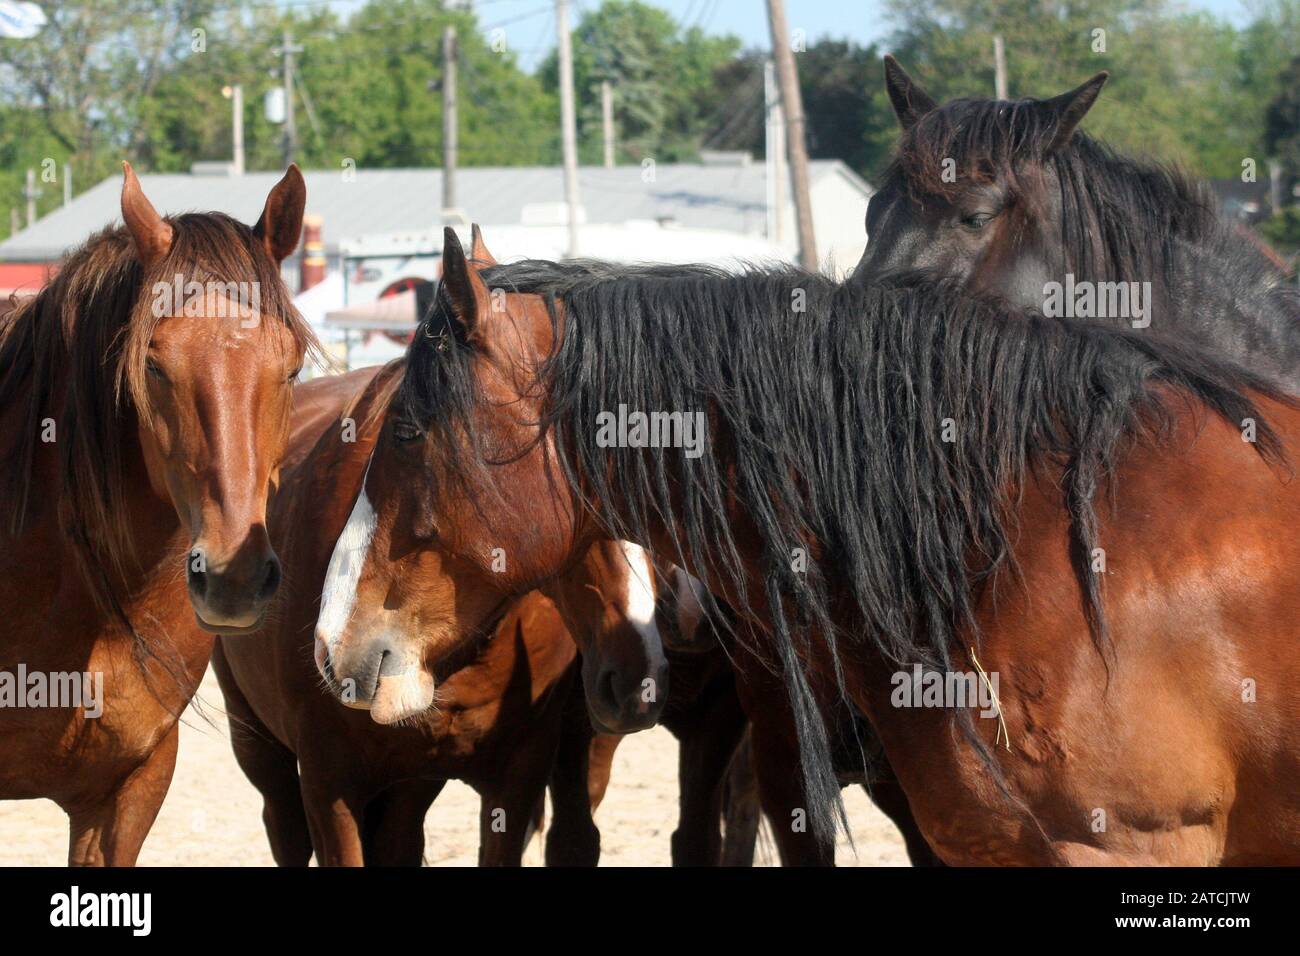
[{"x": 212, "y": 816}]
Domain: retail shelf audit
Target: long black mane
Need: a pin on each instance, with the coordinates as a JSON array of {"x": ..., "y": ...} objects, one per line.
[
  {"x": 883, "y": 429},
  {"x": 1123, "y": 218}
]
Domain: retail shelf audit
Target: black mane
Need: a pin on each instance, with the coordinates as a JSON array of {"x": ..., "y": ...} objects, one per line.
[
  {"x": 1122, "y": 219},
  {"x": 827, "y": 426}
]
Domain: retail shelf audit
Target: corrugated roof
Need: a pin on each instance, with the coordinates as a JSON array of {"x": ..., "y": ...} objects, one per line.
[{"x": 730, "y": 198}]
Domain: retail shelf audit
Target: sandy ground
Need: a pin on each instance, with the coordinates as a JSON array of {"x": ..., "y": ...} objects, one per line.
[{"x": 212, "y": 816}]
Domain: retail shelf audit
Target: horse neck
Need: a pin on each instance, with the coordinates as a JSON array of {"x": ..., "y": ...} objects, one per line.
[{"x": 1209, "y": 286}]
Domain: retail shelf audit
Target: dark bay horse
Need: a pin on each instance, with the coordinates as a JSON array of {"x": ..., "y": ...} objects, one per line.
[
  {"x": 1012, "y": 198},
  {"x": 353, "y": 784},
  {"x": 1089, "y": 527},
  {"x": 142, "y": 433},
  {"x": 703, "y": 711}
]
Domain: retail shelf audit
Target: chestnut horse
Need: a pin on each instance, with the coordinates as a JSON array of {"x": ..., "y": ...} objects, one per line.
[
  {"x": 1031, "y": 207},
  {"x": 336, "y": 779},
  {"x": 143, "y": 432},
  {"x": 1089, "y": 526}
]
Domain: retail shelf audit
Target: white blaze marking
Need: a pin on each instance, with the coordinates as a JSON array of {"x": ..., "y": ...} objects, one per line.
[
  {"x": 640, "y": 608},
  {"x": 339, "y": 594}
]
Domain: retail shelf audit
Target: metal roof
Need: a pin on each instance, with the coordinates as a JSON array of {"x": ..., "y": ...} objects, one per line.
[{"x": 725, "y": 197}]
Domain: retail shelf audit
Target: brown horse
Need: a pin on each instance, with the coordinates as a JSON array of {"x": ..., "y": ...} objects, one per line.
[
  {"x": 703, "y": 712},
  {"x": 425, "y": 561},
  {"x": 1080, "y": 536},
  {"x": 335, "y": 779},
  {"x": 143, "y": 433}
]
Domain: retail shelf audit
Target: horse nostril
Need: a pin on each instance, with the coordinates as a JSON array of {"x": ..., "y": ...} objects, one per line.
[
  {"x": 270, "y": 578},
  {"x": 197, "y": 580},
  {"x": 608, "y": 690},
  {"x": 659, "y": 685}
]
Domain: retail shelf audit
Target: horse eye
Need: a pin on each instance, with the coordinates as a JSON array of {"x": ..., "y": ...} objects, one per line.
[
  {"x": 293, "y": 376},
  {"x": 977, "y": 221},
  {"x": 406, "y": 432},
  {"x": 153, "y": 369}
]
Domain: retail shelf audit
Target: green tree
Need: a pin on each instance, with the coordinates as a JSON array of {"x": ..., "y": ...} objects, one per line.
[
  {"x": 72, "y": 93},
  {"x": 660, "y": 73},
  {"x": 1282, "y": 122},
  {"x": 367, "y": 90},
  {"x": 1176, "y": 87},
  {"x": 847, "y": 115}
]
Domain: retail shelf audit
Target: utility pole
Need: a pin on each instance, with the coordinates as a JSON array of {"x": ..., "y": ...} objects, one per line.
[
  {"x": 788, "y": 78},
  {"x": 67, "y": 183},
  {"x": 1276, "y": 190},
  {"x": 30, "y": 193},
  {"x": 236, "y": 95},
  {"x": 15, "y": 223},
  {"x": 288, "y": 51},
  {"x": 449, "y": 122},
  {"x": 607, "y": 121},
  {"x": 999, "y": 68},
  {"x": 568, "y": 120},
  {"x": 774, "y": 151}
]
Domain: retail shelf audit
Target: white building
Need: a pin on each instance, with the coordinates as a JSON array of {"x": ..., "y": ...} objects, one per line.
[
  {"x": 726, "y": 195},
  {"x": 381, "y": 226}
]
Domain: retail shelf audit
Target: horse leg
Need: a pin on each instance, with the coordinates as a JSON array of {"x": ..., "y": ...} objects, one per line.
[
  {"x": 111, "y": 831},
  {"x": 334, "y": 815},
  {"x": 394, "y": 823},
  {"x": 704, "y": 755},
  {"x": 272, "y": 768},
  {"x": 573, "y": 839},
  {"x": 742, "y": 810},
  {"x": 776, "y": 766},
  {"x": 508, "y": 811},
  {"x": 783, "y": 798}
]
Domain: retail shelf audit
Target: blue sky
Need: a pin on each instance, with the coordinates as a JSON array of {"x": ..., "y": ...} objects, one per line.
[{"x": 530, "y": 28}]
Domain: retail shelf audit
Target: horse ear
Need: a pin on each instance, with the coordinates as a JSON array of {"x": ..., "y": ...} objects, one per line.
[
  {"x": 151, "y": 233},
  {"x": 465, "y": 291},
  {"x": 1068, "y": 109},
  {"x": 280, "y": 227},
  {"x": 910, "y": 101},
  {"x": 478, "y": 248}
]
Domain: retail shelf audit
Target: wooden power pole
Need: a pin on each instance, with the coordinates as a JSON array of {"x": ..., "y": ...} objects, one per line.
[
  {"x": 449, "y": 123},
  {"x": 607, "y": 121},
  {"x": 787, "y": 78},
  {"x": 288, "y": 51},
  {"x": 31, "y": 194},
  {"x": 999, "y": 68},
  {"x": 568, "y": 120}
]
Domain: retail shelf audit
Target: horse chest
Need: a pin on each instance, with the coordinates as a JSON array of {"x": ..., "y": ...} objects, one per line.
[{"x": 80, "y": 703}]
